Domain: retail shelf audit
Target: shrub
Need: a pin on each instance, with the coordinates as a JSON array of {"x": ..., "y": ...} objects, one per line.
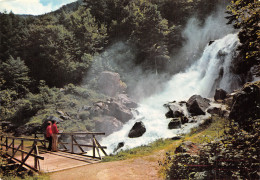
[{"x": 236, "y": 156}]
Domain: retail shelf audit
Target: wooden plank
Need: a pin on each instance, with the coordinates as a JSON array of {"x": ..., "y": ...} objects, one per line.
[
  {"x": 21, "y": 138},
  {"x": 16, "y": 150},
  {"x": 101, "y": 147},
  {"x": 23, "y": 162},
  {"x": 77, "y": 144},
  {"x": 97, "y": 148},
  {"x": 83, "y": 145}
]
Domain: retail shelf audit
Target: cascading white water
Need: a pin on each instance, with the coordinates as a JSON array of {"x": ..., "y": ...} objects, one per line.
[{"x": 211, "y": 71}]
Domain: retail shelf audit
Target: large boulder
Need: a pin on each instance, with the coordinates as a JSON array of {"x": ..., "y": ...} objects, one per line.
[
  {"x": 108, "y": 124},
  {"x": 175, "y": 123},
  {"x": 125, "y": 100},
  {"x": 120, "y": 111},
  {"x": 110, "y": 84},
  {"x": 137, "y": 130},
  {"x": 174, "y": 110},
  {"x": 220, "y": 94},
  {"x": 246, "y": 105},
  {"x": 197, "y": 105}
]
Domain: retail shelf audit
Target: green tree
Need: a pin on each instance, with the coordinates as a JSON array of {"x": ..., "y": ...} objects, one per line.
[
  {"x": 90, "y": 36},
  {"x": 14, "y": 75},
  {"x": 246, "y": 14},
  {"x": 149, "y": 33},
  {"x": 53, "y": 55},
  {"x": 12, "y": 32}
]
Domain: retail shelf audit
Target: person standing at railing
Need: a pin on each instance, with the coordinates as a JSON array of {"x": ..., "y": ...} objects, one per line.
[
  {"x": 55, "y": 132},
  {"x": 49, "y": 135}
]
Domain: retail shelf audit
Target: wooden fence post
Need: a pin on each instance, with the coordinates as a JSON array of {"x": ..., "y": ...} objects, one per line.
[
  {"x": 1, "y": 142},
  {"x": 35, "y": 153},
  {"x": 72, "y": 143},
  {"x": 94, "y": 146},
  {"x": 13, "y": 147},
  {"x": 22, "y": 148},
  {"x": 6, "y": 143}
]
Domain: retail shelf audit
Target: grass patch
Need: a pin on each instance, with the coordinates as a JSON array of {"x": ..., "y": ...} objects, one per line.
[
  {"x": 210, "y": 130},
  {"x": 141, "y": 151}
]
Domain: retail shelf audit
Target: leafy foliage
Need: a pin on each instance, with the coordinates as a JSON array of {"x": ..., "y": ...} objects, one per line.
[
  {"x": 245, "y": 15},
  {"x": 235, "y": 156},
  {"x": 14, "y": 76}
]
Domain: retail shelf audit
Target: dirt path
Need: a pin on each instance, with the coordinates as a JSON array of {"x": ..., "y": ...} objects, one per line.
[{"x": 138, "y": 169}]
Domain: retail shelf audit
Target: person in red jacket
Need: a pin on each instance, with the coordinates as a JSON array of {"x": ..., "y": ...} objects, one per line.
[
  {"x": 49, "y": 135},
  {"x": 55, "y": 132}
]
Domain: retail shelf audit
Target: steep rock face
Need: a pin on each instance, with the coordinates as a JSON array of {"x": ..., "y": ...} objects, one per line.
[
  {"x": 137, "y": 130},
  {"x": 197, "y": 105},
  {"x": 108, "y": 124},
  {"x": 110, "y": 84},
  {"x": 246, "y": 105}
]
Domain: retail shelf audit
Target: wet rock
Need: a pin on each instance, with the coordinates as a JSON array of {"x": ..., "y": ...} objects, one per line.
[
  {"x": 137, "y": 130},
  {"x": 120, "y": 145},
  {"x": 110, "y": 84},
  {"x": 108, "y": 124},
  {"x": 177, "y": 138},
  {"x": 197, "y": 105},
  {"x": 214, "y": 110},
  {"x": 210, "y": 42},
  {"x": 220, "y": 94},
  {"x": 184, "y": 120},
  {"x": 175, "y": 123},
  {"x": 175, "y": 110}
]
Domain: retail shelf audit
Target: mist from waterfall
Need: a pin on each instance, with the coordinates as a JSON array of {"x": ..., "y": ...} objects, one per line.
[{"x": 209, "y": 72}]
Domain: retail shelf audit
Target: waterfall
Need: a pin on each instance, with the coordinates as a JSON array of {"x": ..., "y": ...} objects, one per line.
[{"x": 209, "y": 72}]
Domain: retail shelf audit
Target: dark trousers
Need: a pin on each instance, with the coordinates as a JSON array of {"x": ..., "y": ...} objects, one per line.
[{"x": 50, "y": 143}]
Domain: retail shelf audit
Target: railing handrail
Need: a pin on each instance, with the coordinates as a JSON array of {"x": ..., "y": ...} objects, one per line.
[
  {"x": 79, "y": 133},
  {"x": 22, "y": 138}
]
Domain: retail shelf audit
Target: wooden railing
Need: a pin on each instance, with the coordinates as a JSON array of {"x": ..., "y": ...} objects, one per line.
[
  {"x": 72, "y": 143},
  {"x": 11, "y": 145}
]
